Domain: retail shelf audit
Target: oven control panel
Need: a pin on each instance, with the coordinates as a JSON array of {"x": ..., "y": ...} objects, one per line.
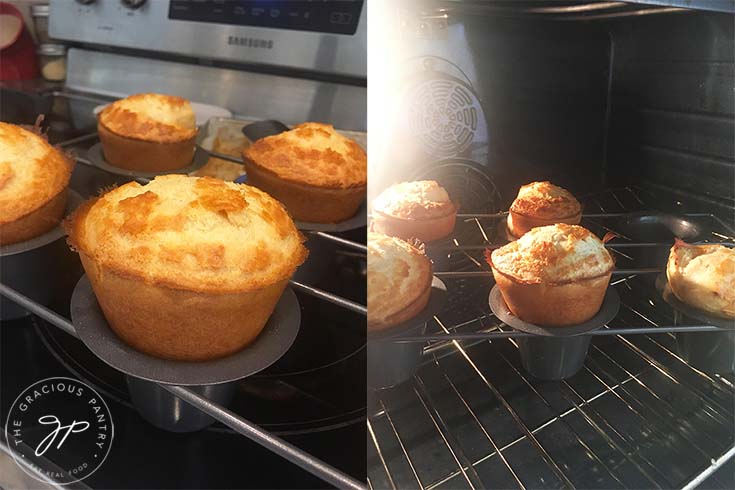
[
  {"x": 326, "y": 36},
  {"x": 335, "y": 17}
]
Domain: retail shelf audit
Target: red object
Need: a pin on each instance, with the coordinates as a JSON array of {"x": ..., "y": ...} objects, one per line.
[{"x": 18, "y": 54}]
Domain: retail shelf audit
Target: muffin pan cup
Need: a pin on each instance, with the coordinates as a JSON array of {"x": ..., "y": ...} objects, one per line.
[
  {"x": 215, "y": 379},
  {"x": 554, "y": 353},
  {"x": 712, "y": 352},
  {"x": 35, "y": 267},
  {"x": 391, "y": 363},
  {"x": 168, "y": 412}
]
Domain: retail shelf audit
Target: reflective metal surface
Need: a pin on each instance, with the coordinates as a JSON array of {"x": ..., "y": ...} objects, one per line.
[
  {"x": 247, "y": 94},
  {"x": 149, "y": 28}
]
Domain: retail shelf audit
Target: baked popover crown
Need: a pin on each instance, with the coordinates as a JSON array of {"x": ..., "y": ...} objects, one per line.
[
  {"x": 545, "y": 200},
  {"x": 193, "y": 233},
  {"x": 419, "y": 199},
  {"x": 554, "y": 254},
  {"x": 32, "y": 172},
  {"x": 398, "y": 275},
  {"x": 703, "y": 276},
  {"x": 311, "y": 153},
  {"x": 151, "y": 117}
]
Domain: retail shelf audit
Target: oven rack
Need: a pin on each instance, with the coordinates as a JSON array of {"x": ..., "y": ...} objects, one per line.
[
  {"x": 482, "y": 422},
  {"x": 244, "y": 427}
]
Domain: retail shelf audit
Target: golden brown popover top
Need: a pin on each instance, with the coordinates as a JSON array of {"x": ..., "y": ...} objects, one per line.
[
  {"x": 32, "y": 172},
  {"x": 192, "y": 233},
  {"x": 545, "y": 200},
  {"x": 422, "y": 199},
  {"x": 703, "y": 276},
  {"x": 157, "y": 118},
  {"x": 555, "y": 254},
  {"x": 398, "y": 274},
  {"x": 314, "y": 154}
]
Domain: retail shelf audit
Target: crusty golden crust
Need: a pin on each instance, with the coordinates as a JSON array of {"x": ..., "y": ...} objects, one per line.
[
  {"x": 554, "y": 255},
  {"x": 409, "y": 311},
  {"x": 308, "y": 202},
  {"x": 191, "y": 233},
  {"x": 553, "y": 305},
  {"x": 546, "y": 201},
  {"x": 313, "y": 154},
  {"x": 180, "y": 324},
  {"x": 32, "y": 173},
  {"x": 416, "y": 200},
  {"x": 35, "y": 223},
  {"x": 150, "y": 117},
  {"x": 145, "y": 156},
  {"x": 419, "y": 209},
  {"x": 399, "y": 281},
  {"x": 703, "y": 276},
  {"x": 426, "y": 230},
  {"x": 520, "y": 224}
]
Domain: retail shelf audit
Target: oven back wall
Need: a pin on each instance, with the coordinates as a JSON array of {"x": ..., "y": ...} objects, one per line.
[
  {"x": 521, "y": 98},
  {"x": 544, "y": 88},
  {"x": 672, "y": 104}
]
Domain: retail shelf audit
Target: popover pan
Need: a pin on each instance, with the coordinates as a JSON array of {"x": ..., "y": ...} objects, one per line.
[
  {"x": 214, "y": 379},
  {"x": 554, "y": 353},
  {"x": 711, "y": 352},
  {"x": 391, "y": 363}
]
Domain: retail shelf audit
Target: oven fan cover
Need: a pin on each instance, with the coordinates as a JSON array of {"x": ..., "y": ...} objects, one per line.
[{"x": 443, "y": 113}]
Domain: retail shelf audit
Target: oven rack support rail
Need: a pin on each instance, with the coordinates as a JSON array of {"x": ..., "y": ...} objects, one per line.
[{"x": 244, "y": 427}]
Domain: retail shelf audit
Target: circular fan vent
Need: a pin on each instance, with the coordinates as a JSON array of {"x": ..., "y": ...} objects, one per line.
[{"x": 444, "y": 115}]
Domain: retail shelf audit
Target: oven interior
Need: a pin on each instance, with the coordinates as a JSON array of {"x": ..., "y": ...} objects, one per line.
[{"x": 630, "y": 107}]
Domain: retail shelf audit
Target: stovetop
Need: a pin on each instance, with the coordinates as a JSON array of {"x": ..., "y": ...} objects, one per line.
[{"x": 313, "y": 397}]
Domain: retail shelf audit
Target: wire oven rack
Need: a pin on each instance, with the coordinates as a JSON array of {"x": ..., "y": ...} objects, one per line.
[
  {"x": 237, "y": 423},
  {"x": 636, "y": 415}
]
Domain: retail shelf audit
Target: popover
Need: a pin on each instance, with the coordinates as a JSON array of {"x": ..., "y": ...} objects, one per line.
[
  {"x": 186, "y": 268},
  {"x": 399, "y": 281},
  {"x": 421, "y": 209},
  {"x": 318, "y": 174},
  {"x": 542, "y": 204},
  {"x": 33, "y": 184},
  {"x": 148, "y": 132},
  {"x": 703, "y": 276},
  {"x": 553, "y": 275}
]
